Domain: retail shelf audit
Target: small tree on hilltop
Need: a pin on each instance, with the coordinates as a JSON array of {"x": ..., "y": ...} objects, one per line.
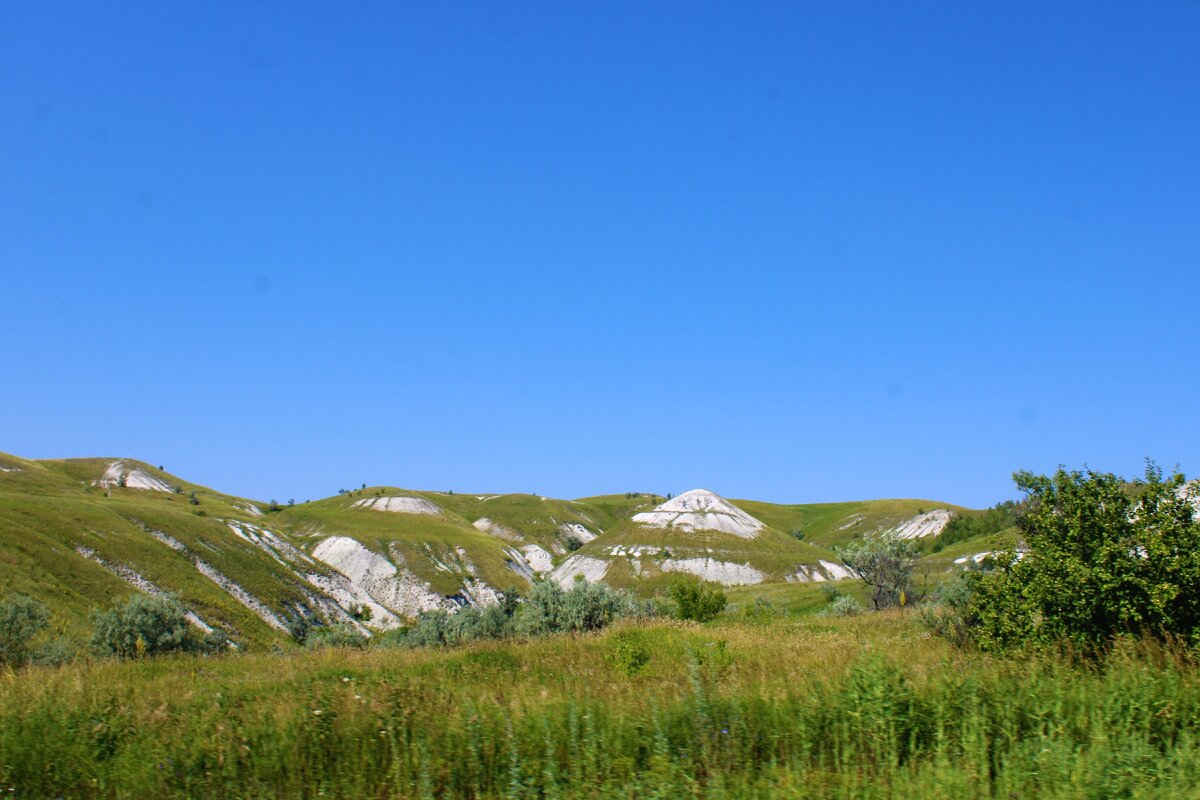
[{"x": 885, "y": 562}]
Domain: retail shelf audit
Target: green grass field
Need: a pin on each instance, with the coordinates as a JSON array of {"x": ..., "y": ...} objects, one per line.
[{"x": 797, "y": 706}]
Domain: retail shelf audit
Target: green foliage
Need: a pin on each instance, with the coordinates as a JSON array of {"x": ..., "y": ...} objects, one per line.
[
  {"x": 948, "y": 613},
  {"x": 844, "y": 606},
  {"x": 762, "y": 611},
  {"x": 343, "y": 635},
  {"x": 796, "y": 534},
  {"x": 144, "y": 626},
  {"x": 884, "y": 562},
  {"x": 697, "y": 601},
  {"x": 21, "y": 619},
  {"x": 547, "y": 609},
  {"x": 628, "y": 653},
  {"x": 584, "y": 607},
  {"x": 969, "y": 526},
  {"x": 1105, "y": 558}
]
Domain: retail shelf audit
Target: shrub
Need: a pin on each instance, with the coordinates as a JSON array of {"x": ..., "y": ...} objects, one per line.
[
  {"x": 144, "y": 626},
  {"x": 299, "y": 629},
  {"x": 430, "y": 629},
  {"x": 697, "y": 601},
  {"x": 584, "y": 607},
  {"x": 628, "y": 654},
  {"x": 761, "y": 611},
  {"x": 341, "y": 635},
  {"x": 1105, "y": 557},
  {"x": 55, "y": 652},
  {"x": 948, "y": 614},
  {"x": 21, "y": 619},
  {"x": 844, "y": 606},
  {"x": 884, "y": 562}
]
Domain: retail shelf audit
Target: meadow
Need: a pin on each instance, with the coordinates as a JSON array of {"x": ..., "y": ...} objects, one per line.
[{"x": 781, "y": 705}]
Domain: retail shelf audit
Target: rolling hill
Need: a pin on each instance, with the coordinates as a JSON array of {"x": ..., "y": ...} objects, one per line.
[{"x": 82, "y": 533}]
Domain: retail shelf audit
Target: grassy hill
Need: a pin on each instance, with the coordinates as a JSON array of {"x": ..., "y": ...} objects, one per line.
[{"x": 81, "y": 534}]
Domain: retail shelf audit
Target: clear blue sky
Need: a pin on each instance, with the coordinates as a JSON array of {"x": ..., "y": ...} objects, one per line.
[{"x": 784, "y": 251}]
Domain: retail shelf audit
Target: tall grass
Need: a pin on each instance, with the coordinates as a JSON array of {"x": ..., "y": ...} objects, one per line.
[{"x": 861, "y": 707}]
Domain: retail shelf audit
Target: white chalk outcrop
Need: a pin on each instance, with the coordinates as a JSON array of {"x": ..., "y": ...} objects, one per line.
[
  {"x": 728, "y": 573},
  {"x": 399, "y": 505},
  {"x": 120, "y": 474},
  {"x": 931, "y": 523},
  {"x": 396, "y": 589},
  {"x": 493, "y": 528},
  {"x": 701, "y": 510},
  {"x": 820, "y": 572},
  {"x": 592, "y": 569},
  {"x": 577, "y": 531}
]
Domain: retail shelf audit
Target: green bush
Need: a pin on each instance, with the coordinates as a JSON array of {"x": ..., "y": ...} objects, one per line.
[
  {"x": 144, "y": 626},
  {"x": 628, "y": 653},
  {"x": 844, "y": 606},
  {"x": 584, "y": 607},
  {"x": 547, "y": 609},
  {"x": 697, "y": 601},
  {"x": 21, "y": 619},
  {"x": 762, "y": 611},
  {"x": 342, "y": 635},
  {"x": 1105, "y": 558},
  {"x": 948, "y": 613}
]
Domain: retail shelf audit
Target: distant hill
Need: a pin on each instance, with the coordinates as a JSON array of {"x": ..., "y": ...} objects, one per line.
[{"x": 82, "y": 533}]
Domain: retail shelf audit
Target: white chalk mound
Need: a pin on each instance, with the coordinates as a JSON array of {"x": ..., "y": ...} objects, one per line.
[
  {"x": 701, "y": 510},
  {"x": 120, "y": 474},
  {"x": 931, "y": 523},
  {"x": 728, "y": 573},
  {"x": 399, "y": 505}
]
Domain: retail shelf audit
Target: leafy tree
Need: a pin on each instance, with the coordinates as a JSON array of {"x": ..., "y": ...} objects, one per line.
[
  {"x": 884, "y": 562},
  {"x": 697, "y": 601},
  {"x": 21, "y": 619},
  {"x": 1104, "y": 557}
]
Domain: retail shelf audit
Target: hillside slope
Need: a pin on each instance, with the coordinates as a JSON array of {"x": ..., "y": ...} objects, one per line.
[{"x": 82, "y": 533}]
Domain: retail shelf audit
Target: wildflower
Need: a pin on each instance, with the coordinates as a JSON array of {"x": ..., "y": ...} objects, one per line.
[{"x": 317, "y": 712}]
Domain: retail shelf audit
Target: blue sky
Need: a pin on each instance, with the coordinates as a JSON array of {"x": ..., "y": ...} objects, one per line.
[{"x": 795, "y": 252}]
